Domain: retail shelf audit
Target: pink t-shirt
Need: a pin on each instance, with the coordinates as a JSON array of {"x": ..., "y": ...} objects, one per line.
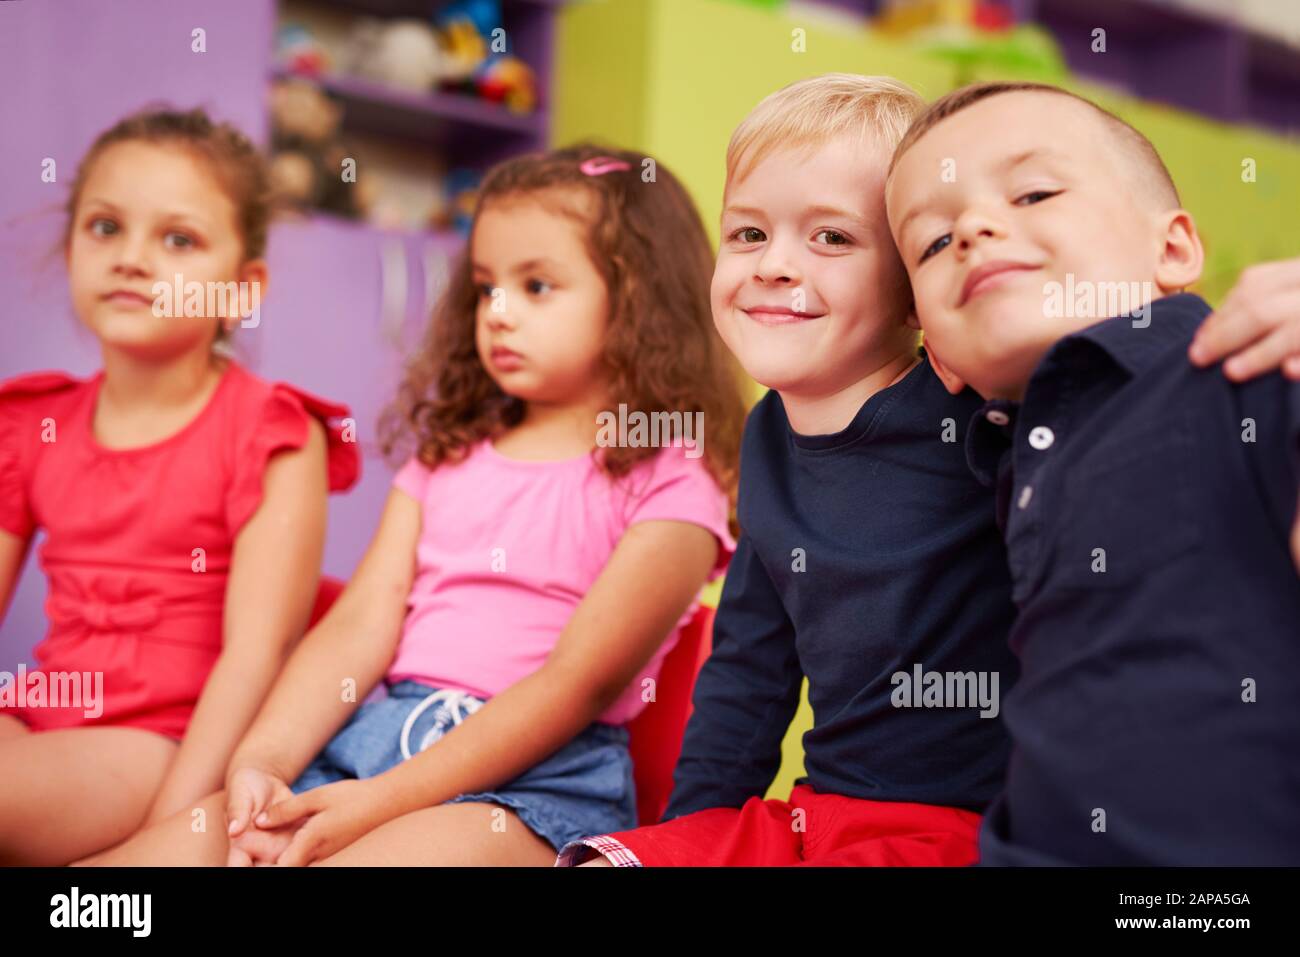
[{"x": 508, "y": 549}]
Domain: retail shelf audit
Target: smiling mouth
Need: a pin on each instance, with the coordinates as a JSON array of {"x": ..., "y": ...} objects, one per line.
[
  {"x": 989, "y": 277},
  {"x": 780, "y": 317}
]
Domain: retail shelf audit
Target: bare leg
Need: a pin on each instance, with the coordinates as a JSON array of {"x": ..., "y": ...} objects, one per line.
[
  {"x": 456, "y": 835},
  {"x": 74, "y": 791},
  {"x": 185, "y": 838},
  {"x": 601, "y": 861}
]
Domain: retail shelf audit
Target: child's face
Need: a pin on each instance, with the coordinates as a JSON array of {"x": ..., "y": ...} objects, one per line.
[
  {"x": 145, "y": 215},
  {"x": 808, "y": 291},
  {"x": 540, "y": 300},
  {"x": 997, "y": 203}
]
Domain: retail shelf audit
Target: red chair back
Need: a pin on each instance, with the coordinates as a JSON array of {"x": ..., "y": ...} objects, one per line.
[{"x": 656, "y": 733}]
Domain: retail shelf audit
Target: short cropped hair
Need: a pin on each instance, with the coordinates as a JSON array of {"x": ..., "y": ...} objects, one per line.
[
  {"x": 1136, "y": 149},
  {"x": 874, "y": 109}
]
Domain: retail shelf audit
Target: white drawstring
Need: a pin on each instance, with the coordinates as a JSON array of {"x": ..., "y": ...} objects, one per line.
[{"x": 457, "y": 700}]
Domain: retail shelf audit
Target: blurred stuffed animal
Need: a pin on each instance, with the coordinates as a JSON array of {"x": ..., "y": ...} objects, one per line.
[
  {"x": 307, "y": 153},
  {"x": 398, "y": 53}
]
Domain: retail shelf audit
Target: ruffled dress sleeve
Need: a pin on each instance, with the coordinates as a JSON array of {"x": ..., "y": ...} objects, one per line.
[
  {"x": 20, "y": 430},
  {"x": 282, "y": 424}
]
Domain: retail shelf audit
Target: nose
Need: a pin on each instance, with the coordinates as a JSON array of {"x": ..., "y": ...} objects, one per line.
[
  {"x": 132, "y": 256},
  {"x": 776, "y": 264},
  {"x": 498, "y": 317},
  {"x": 975, "y": 224}
]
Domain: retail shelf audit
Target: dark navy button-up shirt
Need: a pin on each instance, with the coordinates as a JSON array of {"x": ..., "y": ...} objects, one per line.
[
  {"x": 1147, "y": 507},
  {"x": 867, "y": 557}
]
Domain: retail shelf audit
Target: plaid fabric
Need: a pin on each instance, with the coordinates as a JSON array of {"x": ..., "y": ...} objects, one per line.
[{"x": 576, "y": 852}]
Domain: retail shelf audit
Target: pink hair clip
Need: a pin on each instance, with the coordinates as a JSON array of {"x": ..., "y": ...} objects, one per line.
[{"x": 599, "y": 165}]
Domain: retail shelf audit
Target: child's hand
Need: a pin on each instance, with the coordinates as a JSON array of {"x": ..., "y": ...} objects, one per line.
[
  {"x": 1258, "y": 324},
  {"x": 250, "y": 792},
  {"x": 328, "y": 819}
]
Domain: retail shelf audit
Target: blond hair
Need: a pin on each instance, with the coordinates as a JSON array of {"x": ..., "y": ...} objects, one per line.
[{"x": 808, "y": 113}]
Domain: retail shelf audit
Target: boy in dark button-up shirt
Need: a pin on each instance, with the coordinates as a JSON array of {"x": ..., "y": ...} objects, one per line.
[{"x": 1149, "y": 508}]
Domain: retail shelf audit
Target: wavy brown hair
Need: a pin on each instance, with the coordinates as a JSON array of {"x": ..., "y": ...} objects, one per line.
[{"x": 661, "y": 354}]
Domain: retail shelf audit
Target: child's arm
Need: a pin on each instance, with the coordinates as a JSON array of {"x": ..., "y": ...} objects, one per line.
[
  {"x": 654, "y": 573},
  {"x": 13, "y": 550},
  {"x": 745, "y": 696},
  {"x": 1258, "y": 326},
  {"x": 275, "y": 569},
  {"x": 340, "y": 660}
]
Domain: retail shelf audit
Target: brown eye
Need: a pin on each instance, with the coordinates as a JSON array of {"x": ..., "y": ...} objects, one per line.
[
  {"x": 749, "y": 234},
  {"x": 103, "y": 227}
]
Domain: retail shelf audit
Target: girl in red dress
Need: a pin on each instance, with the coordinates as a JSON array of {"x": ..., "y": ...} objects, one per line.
[{"x": 183, "y": 500}]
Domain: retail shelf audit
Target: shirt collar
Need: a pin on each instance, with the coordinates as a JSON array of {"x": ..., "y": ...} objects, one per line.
[{"x": 1132, "y": 342}]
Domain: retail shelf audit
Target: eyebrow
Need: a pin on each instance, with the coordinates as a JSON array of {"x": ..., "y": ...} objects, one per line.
[
  {"x": 527, "y": 266},
  {"x": 819, "y": 210},
  {"x": 195, "y": 218}
]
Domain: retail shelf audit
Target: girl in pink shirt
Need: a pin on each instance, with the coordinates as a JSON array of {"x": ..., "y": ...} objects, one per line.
[
  {"x": 572, "y": 426},
  {"x": 182, "y": 499}
]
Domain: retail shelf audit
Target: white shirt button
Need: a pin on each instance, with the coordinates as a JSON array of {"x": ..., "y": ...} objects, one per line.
[
  {"x": 1026, "y": 494},
  {"x": 997, "y": 416},
  {"x": 1041, "y": 437}
]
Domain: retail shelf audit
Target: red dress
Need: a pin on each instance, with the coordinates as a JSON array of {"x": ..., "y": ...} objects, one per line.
[{"x": 139, "y": 541}]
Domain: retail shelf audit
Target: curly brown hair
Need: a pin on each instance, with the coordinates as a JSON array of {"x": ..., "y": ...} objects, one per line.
[{"x": 662, "y": 353}]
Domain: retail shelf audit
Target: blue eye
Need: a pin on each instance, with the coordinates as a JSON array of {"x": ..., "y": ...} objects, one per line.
[
  {"x": 748, "y": 229},
  {"x": 484, "y": 290},
  {"x": 533, "y": 283},
  {"x": 936, "y": 246},
  {"x": 185, "y": 242},
  {"x": 103, "y": 227}
]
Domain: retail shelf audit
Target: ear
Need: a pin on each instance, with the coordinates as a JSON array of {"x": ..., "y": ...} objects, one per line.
[
  {"x": 951, "y": 381},
  {"x": 1181, "y": 256},
  {"x": 256, "y": 274}
]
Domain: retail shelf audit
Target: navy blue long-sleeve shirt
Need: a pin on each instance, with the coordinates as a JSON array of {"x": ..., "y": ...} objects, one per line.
[{"x": 865, "y": 555}]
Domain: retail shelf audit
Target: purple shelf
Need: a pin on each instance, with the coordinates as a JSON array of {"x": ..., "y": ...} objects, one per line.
[{"x": 435, "y": 118}]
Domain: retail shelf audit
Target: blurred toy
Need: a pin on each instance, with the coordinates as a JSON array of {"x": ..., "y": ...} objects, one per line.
[
  {"x": 399, "y": 53},
  {"x": 507, "y": 79},
  {"x": 464, "y": 29},
  {"x": 307, "y": 160},
  {"x": 459, "y": 196},
  {"x": 298, "y": 51},
  {"x": 934, "y": 17},
  {"x": 976, "y": 35}
]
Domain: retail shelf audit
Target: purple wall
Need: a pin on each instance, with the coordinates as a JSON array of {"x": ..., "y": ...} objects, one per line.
[{"x": 343, "y": 299}]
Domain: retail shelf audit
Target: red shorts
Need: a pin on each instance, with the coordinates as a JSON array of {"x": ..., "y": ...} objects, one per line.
[{"x": 811, "y": 828}]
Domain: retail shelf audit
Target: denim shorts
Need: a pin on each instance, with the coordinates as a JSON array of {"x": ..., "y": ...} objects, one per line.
[{"x": 584, "y": 788}]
